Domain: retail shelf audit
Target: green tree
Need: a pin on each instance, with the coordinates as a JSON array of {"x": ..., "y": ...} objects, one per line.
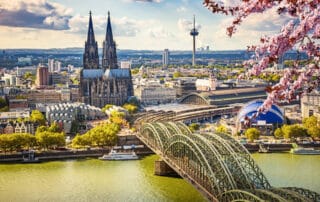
[
  {"x": 54, "y": 128},
  {"x": 101, "y": 135},
  {"x": 48, "y": 140},
  {"x": 106, "y": 107},
  {"x": 312, "y": 125},
  {"x": 278, "y": 133},
  {"x": 37, "y": 117},
  {"x": 177, "y": 75},
  {"x": 130, "y": 108},
  {"x": 252, "y": 134},
  {"x": 221, "y": 129},
  {"x": 194, "y": 127},
  {"x": 292, "y": 131}
]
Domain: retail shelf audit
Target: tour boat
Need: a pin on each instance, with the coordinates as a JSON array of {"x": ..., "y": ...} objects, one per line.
[
  {"x": 30, "y": 158},
  {"x": 307, "y": 151},
  {"x": 113, "y": 155}
]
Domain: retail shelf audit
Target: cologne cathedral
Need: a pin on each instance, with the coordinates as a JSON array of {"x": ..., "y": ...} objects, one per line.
[{"x": 106, "y": 83}]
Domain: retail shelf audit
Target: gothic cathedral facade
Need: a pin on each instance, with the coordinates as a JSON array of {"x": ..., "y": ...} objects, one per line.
[{"x": 105, "y": 84}]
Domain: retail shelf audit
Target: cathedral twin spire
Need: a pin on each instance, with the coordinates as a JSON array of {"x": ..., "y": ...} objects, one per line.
[{"x": 91, "y": 57}]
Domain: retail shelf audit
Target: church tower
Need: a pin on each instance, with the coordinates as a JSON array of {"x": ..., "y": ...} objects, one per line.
[
  {"x": 109, "y": 58},
  {"x": 90, "y": 55}
]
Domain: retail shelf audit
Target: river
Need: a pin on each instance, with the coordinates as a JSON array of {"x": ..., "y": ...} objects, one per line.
[{"x": 95, "y": 180}]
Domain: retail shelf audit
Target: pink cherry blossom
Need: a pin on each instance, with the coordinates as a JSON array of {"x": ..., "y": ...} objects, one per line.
[{"x": 301, "y": 33}]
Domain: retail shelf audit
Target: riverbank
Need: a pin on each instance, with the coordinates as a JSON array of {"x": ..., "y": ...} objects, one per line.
[
  {"x": 61, "y": 155},
  {"x": 277, "y": 147}
]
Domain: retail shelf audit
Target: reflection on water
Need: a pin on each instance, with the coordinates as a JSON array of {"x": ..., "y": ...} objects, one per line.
[
  {"x": 289, "y": 170},
  {"x": 91, "y": 180},
  {"x": 95, "y": 180}
]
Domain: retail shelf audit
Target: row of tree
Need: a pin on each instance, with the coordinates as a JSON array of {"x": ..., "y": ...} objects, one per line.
[
  {"x": 309, "y": 128},
  {"x": 46, "y": 137},
  {"x": 24, "y": 141},
  {"x": 99, "y": 136}
]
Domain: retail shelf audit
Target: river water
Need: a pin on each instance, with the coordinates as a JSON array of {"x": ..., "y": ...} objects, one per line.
[{"x": 95, "y": 180}]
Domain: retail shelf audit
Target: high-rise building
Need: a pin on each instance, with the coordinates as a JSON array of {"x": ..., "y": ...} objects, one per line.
[
  {"x": 106, "y": 85},
  {"x": 42, "y": 79},
  {"x": 57, "y": 66},
  {"x": 54, "y": 65},
  {"x": 165, "y": 58},
  {"x": 51, "y": 65},
  {"x": 194, "y": 32}
]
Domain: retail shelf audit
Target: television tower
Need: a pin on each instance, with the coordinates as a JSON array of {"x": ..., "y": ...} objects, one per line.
[{"x": 194, "y": 32}]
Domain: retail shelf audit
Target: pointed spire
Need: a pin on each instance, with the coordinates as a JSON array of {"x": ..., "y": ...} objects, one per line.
[
  {"x": 90, "y": 39},
  {"x": 109, "y": 36}
]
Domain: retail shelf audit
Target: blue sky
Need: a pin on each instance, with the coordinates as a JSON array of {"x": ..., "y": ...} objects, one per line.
[{"x": 137, "y": 24}]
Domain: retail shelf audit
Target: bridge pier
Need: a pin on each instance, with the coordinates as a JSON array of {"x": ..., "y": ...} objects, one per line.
[{"x": 161, "y": 168}]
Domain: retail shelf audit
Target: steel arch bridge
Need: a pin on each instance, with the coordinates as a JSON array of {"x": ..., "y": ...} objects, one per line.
[{"x": 216, "y": 164}]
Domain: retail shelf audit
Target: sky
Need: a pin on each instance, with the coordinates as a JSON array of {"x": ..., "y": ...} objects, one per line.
[{"x": 137, "y": 24}]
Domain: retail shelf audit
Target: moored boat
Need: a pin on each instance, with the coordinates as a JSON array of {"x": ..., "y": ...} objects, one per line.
[
  {"x": 305, "y": 151},
  {"x": 114, "y": 155}
]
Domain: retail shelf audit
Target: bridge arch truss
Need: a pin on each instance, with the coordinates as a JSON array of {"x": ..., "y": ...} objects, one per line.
[{"x": 216, "y": 164}]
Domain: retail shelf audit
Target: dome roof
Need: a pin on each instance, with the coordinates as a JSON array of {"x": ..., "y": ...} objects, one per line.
[{"x": 274, "y": 115}]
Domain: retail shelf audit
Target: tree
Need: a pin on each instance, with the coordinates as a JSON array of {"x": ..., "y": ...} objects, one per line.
[
  {"x": 101, "y": 135},
  {"x": 252, "y": 134},
  {"x": 194, "y": 127},
  {"x": 106, "y": 107},
  {"x": 292, "y": 131},
  {"x": 131, "y": 108},
  {"x": 301, "y": 32},
  {"x": 177, "y": 75},
  {"x": 47, "y": 139},
  {"x": 312, "y": 126},
  {"x": 278, "y": 133},
  {"x": 221, "y": 129},
  {"x": 37, "y": 117}
]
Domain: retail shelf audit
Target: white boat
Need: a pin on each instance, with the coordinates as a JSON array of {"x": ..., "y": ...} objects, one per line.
[
  {"x": 307, "y": 151},
  {"x": 114, "y": 155}
]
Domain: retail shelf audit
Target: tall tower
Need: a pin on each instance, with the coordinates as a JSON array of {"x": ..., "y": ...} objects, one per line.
[
  {"x": 194, "y": 32},
  {"x": 109, "y": 58},
  {"x": 165, "y": 58},
  {"x": 42, "y": 79},
  {"x": 90, "y": 55}
]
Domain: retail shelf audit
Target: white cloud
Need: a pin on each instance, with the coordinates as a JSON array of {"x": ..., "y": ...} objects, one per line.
[
  {"x": 41, "y": 14},
  {"x": 186, "y": 25},
  {"x": 182, "y": 9}
]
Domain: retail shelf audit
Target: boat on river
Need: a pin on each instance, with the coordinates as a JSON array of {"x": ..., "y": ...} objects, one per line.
[
  {"x": 114, "y": 155},
  {"x": 29, "y": 157},
  {"x": 305, "y": 151}
]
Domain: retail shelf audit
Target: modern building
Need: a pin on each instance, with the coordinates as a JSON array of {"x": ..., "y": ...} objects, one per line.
[
  {"x": 67, "y": 113},
  {"x": 106, "y": 85},
  {"x": 9, "y": 79},
  {"x": 165, "y": 58},
  {"x": 18, "y": 104},
  {"x": 42, "y": 79},
  {"x": 43, "y": 96},
  {"x": 22, "y": 70},
  {"x": 125, "y": 64},
  {"x": 209, "y": 84},
  {"x": 154, "y": 95},
  {"x": 265, "y": 122}
]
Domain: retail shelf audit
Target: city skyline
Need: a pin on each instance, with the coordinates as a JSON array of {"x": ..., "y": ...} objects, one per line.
[{"x": 138, "y": 24}]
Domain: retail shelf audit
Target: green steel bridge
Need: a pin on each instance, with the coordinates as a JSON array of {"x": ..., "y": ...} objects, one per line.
[{"x": 215, "y": 164}]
